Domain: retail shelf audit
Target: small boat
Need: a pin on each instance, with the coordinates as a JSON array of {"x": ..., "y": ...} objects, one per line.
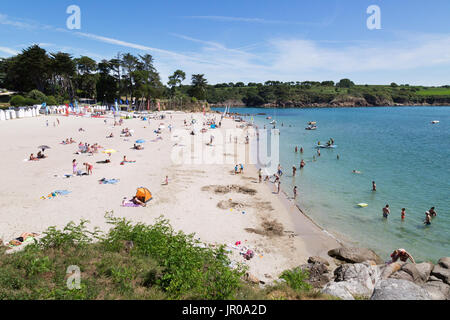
[
  {"x": 273, "y": 122},
  {"x": 311, "y": 128},
  {"x": 362, "y": 205},
  {"x": 435, "y": 121}
]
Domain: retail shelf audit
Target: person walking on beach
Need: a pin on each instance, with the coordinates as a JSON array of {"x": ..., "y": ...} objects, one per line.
[
  {"x": 241, "y": 169},
  {"x": 278, "y": 187},
  {"x": 374, "y": 186},
  {"x": 403, "y": 214},
  {"x": 295, "y": 192},
  {"x": 236, "y": 169},
  {"x": 386, "y": 211},
  {"x": 259, "y": 175},
  {"x": 57, "y": 120},
  {"x": 46, "y": 122}
]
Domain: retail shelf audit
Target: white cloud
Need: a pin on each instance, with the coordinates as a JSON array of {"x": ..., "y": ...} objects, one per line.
[{"x": 8, "y": 51}]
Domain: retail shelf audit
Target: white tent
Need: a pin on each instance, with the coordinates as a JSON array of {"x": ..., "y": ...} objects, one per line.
[{"x": 2, "y": 115}]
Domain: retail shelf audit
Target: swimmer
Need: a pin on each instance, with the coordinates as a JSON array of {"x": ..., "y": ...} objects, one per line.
[{"x": 386, "y": 211}]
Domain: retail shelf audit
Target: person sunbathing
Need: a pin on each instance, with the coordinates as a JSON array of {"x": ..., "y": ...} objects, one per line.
[
  {"x": 137, "y": 147},
  {"x": 33, "y": 158},
  {"x": 111, "y": 135},
  {"x": 23, "y": 237},
  {"x": 71, "y": 140},
  {"x": 136, "y": 200}
]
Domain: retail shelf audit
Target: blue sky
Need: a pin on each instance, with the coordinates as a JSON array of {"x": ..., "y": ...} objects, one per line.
[{"x": 247, "y": 40}]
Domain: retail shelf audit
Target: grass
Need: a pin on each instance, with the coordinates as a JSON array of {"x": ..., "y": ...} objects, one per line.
[
  {"x": 434, "y": 92},
  {"x": 161, "y": 264}
]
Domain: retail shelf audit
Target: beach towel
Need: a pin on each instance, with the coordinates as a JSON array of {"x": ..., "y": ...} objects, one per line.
[
  {"x": 108, "y": 181},
  {"x": 130, "y": 204}
]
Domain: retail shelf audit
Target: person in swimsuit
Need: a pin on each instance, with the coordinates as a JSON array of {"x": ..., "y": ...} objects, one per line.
[
  {"x": 89, "y": 168},
  {"x": 74, "y": 166},
  {"x": 295, "y": 192},
  {"x": 402, "y": 255},
  {"x": 33, "y": 158},
  {"x": 432, "y": 212},
  {"x": 374, "y": 186},
  {"x": 386, "y": 211},
  {"x": 403, "y": 214},
  {"x": 259, "y": 175},
  {"x": 301, "y": 149},
  {"x": 302, "y": 164},
  {"x": 427, "y": 220},
  {"x": 294, "y": 169}
]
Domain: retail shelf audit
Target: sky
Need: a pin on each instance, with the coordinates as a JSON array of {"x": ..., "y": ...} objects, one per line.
[{"x": 247, "y": 40}]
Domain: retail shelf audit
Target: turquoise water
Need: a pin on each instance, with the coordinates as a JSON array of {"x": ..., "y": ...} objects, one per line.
[{"x": 398, "y": 148}]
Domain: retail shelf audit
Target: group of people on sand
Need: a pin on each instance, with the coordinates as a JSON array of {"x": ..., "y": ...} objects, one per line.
[
  {"x": 68, "y": 141},
  {"x": 429, "y": 215},
  {"x": 87, "y": 166},
  {"x": 126, "y": 132},
  {"x": 238, "y": 169},
  {"x": 87, "y": 148},
  {"x": 40, "y": 155}
]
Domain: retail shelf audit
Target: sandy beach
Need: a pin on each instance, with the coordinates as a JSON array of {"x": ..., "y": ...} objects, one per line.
[{"x": 196, "y": 200}]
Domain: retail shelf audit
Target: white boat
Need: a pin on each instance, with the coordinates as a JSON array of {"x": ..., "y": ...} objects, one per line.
[
  {"x": 435, "y": 121},
  {"x": 273, "y": 122}
]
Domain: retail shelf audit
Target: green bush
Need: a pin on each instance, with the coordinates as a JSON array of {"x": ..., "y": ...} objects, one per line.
[
  {"x": 36, "y": 95},
  {"x": 17, "y": 101},
  {"x": 296, "y": 279}
]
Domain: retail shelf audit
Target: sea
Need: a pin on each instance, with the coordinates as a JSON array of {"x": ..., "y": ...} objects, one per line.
[{"x": 399, "y": 148}]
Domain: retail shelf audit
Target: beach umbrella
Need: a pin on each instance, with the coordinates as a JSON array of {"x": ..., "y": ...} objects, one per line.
[
  {"x": 44, "y": 147},
  {"x": 140, "y": 141}
]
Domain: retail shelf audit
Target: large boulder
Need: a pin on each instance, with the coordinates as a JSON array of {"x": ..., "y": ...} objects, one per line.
[
  {"x": 438, "y": 290},
  {"x": 338, "y": 289},
  {"x": 398, "y": 289},
  {"x": 417, "y": 273},
  {"x": 390, "y": 269},
  {"x": 441, "y": 272},
  {"x": 355, "y": 255},
  {"x": 358, "y": 278}
]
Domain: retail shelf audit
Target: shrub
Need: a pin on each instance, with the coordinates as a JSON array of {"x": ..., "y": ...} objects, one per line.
[
  {"x": 37, "y": 96},
  {"x": 296, "y": 279},
  {"x": 17, "y": 101}
]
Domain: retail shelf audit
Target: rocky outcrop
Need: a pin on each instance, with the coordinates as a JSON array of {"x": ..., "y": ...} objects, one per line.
[
  {"x": 319, "y": 274},
  {"x": 398, "y": 289},
  {"x": 354, "y": 255},
  {"x": 417, "y": 273},
  {"x": 438, "y": 290},
  {"x": 316, "y": 259},
  {"x": 339, "y": 290},
  {"x": 359, "y": 279}
]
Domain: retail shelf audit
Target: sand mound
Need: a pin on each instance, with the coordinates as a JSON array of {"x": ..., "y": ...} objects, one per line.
[
  {"x": 269, "y": 228},
  {"x": 228, "y": 204},
  {"x": 229, "y": 188}
]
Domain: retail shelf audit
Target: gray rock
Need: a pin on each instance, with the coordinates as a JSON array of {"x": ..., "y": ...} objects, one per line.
[
  {"x": 337, "y": 289},
  {"x": 441, "y": 273},
  {"x": 390, "y": 269},
  {"x": 358, "y": 278},
  {"x": 433, "y": 278},
  {"x": 354, "y": 255},
  {"x": 397, "y": 289},
  {"x": 444, "y": 262},
  {"x": 403, "y": 275},
  {"x": 317, "y": 259},
  {"x": 424, "y": 270},
  {"x": 437, "y": 290},
  {"x": 319, "y": 274}
]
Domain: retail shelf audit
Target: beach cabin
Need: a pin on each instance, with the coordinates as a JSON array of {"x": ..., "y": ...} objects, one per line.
[
  {"x": 7, "y": 115},
  {"x": 12, "y": 114},
  {"x": 2, "y": 115},
  {"x": 21, "y": 113},
  {"x": 28, "y": 113},
  {"x": 33, "y": 112}
]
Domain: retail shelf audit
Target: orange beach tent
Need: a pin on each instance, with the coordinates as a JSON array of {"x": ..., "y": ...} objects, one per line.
[{"x": 143, "y": 194}]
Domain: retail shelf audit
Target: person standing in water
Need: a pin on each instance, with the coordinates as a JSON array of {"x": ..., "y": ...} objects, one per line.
[
  {"x": 294, "y": 169},
  {"x": 295, "y": 192},
  {"x": 427, "y": 220},
  {"x": 403, "y": 214},
  {"x": 386, "y": 211},
  {"x": 279, "y": 185},
  {"x": 302, "y": 164},
  {"x": 301, "y": 149},
  {"x": 374, "y": 186},
  {"x": 318, "y": 152},
  {"x": 296, "y": 149},
  {"x": 432, "y": 212}
]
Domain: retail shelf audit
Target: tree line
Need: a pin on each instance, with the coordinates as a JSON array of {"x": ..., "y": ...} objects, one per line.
[{"x": 56, "y": 78}]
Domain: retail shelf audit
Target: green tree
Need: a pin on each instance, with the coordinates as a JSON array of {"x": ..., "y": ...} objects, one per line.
[{"x": 199, "y": 84}]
